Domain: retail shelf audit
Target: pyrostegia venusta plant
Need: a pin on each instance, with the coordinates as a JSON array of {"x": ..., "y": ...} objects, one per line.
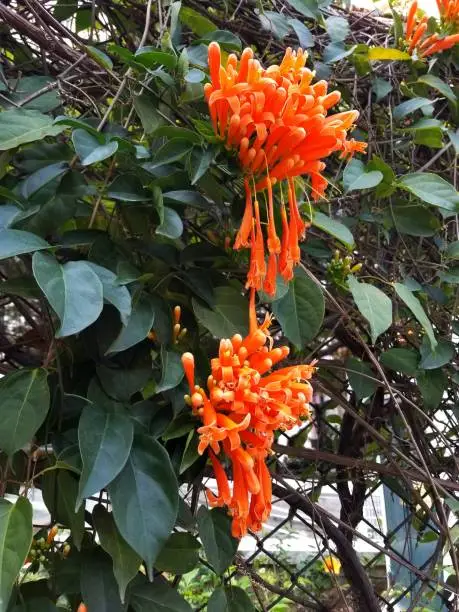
[
  {"x": 276, "y": 120},
  {"x": 416, "y": 29},
  {"x": 245, "y": 403}
]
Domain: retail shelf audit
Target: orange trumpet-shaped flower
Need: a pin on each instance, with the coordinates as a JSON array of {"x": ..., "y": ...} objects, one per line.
[
  {"x": 276, "y": 120},
  {"x": 416, "y": 29},
  {"x": 244, "y": 403}
]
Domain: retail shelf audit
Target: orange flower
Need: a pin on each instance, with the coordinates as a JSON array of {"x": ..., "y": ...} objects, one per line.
[
  {"x": 415, "y": 31},
  {"x": 245, "y": 402},
  {"x": 276, "y": 120}
]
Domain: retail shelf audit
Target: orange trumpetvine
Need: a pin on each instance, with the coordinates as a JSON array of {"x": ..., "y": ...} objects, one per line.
[
  {"x": 276, "y": 120},
  {"x": 245, "y": 402},
  {"x": 416, "y": 29}
]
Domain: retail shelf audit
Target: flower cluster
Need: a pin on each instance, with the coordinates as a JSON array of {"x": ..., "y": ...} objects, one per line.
[
  {"x": 416, "y": 29},
  {"x": 276, "y": 120},
  {"x": 244, "y": 404},
  {"x": 449, "y": 13}
]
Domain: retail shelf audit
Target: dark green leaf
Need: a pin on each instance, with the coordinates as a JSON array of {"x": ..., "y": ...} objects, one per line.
[
  {"x": 187, "y": 197},
  {"x": 173, "y": 132},
  {"x": 197, "y": 23},
  {"x": 337, "y": 28},
  {"x": 304, "y": 36},
  {"x": 200, "y": 161},
  {"x": 172, "y": 370},
  {"x": 415, "y": 220},
  {"x": 227, "y": 40},
  {"x": 402, "y": 360},
  {"x": 126, "y": 562},
  {"x": 138, "y": 325},
  {"x": 40, "y": 178},
  {"x": 452, "y": 250},
  {"x": 89, "y": 149},
  {"x": 150, "y": 57},
  {"x": 308, "y": 8},
  {"x": 387, "y": 186},
  {"x": 146, "y": 108},
  {"x": 230, "y": 599},
  {"x": 360, "y": 378},
  {"x": 16, "y": 533},
  {"x": 20, "y": 126},
  {"x": 157, "y": 597},
  {"x": 105, "y": 435},
  {"x": 432, "y": 189},
  {"x": 301, "y": 311},
  {"x": 179, "y": 555},
  {"x": 24, "y": 398},
  {"x": 45, "y": 102},
  {"x": 432, "y": 385},
  {"x": 73, "y": 290},
  {"x": 416, "y": 308},
  {"x": 227, "y": 317},
  {"x": 276, "y": 23},
  {"x": 99, "y": 57},
  {"x": 438, "y": 357},
  {"x": 16, "y": 242},
  {"x": 215, "y": 533},
  {"x": 128, "y": 188},
  {"x": 171, "y": 226},
  {"x": 63, "y": 9},
  {"x": 172, "y": 151},
  {"x": 373, "y": 304},
  {"x": 60, "y": 491},
  {"x": 145, "y": 499},
  {"x": 98, "y": 585},
  {"x": 190, "y": 454},
  {"x": 381, "y": 88},
  {"x": 436, "y": 83}
]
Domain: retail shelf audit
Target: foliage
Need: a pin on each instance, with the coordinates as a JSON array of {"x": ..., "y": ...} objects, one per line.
[{"x": 118, "y": 203}]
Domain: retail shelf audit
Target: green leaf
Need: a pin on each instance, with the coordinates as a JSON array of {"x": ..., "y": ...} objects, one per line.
[
  {"x": 360, "y": 378},
  {"x": 402, "y": 360},
  {"x": 432, "y": 138},
  {"x": 215, "y": 533},
  {"x": 18, "y": 127},
  {"x": 146, "y": 108},
  {"x": 128, "y": 188},
  {"x": 172, "y": 151},
  {"x": 304, "y": 35},
  {"x": 42, "y": 177},
  {"x": 227, "y": 40},
  {"x": 229, "y": 599},
  {"x": 63, "y": 9},
  {"x": 381, "y": 88},
  {"x": 190, "y": 454},
  {"x": 157, "y": 597},
  {"x": 150, "y": 57},
  {"x": 227, "y": 317},
  {"x": 144, "y": 498},
  {"x": 89, "y": 149},
  {"x": 438, "y": 357},
  {"x": 24, "y": 87},
  {"x": 432, "y": 189},
  {"x": 418, "y": 311},
  {"x": 436, "y": 83},
  {"x": 16, "y": 242},
  {"x": 60, "y": 491},
  {"x": 98, "y": 585},
  {"x": 180, "y": 554},
  {"x": 452, "y": 250},
  {"x": 174, "y": 132},
  {"x": 333, "y": 227},
  {"x": 126, "y": 562},
  {"x": 138, "y": 325},
  {"x": 410, "y": 106},
  {"x": 99, "y": 57},
  {"x": 308, "y": 8},
  {"x": 105, "y": 435},
  {"x": 171, "y": 226},
  {"x": 337, "y": 28},
  {"x": 73, "y": 290},
  {"x": 75, "y": 122},
  {"x": 187, "y": 197},
  {"x": 199, "y": 163},
  {"x": 432, "y": 385},
  {"x": 16, "y": 533},
  {"x": 301, "y": 311},
  {"x": 37, "y": 604},
  {"x": 415, "y": 220},
  {"x": 373, "y": 304},
  {"x": 172, "y": 370},
  {"x": 197, "y": 23},
  {"x": 387, "y": 186},
  {"x": 384, "y": 54},
  {"x": 115, "y": 294},
  {"x": 355, "y": 176},
  {"x": 334, "y": 52},
  {"x": 24, "y": 398},
  {"x": 276, "y": 23}
]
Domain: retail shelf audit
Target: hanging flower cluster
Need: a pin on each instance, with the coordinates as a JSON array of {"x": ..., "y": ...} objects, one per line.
[
  {"x": 449, "y": 13},
  {"x": 276, "y": 120},
  {"x": 244, "y": 404},
  {"x": 415, "y": 33}
]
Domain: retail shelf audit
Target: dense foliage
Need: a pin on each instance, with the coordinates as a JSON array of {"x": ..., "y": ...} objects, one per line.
[{"x": 119, "y": 207}]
